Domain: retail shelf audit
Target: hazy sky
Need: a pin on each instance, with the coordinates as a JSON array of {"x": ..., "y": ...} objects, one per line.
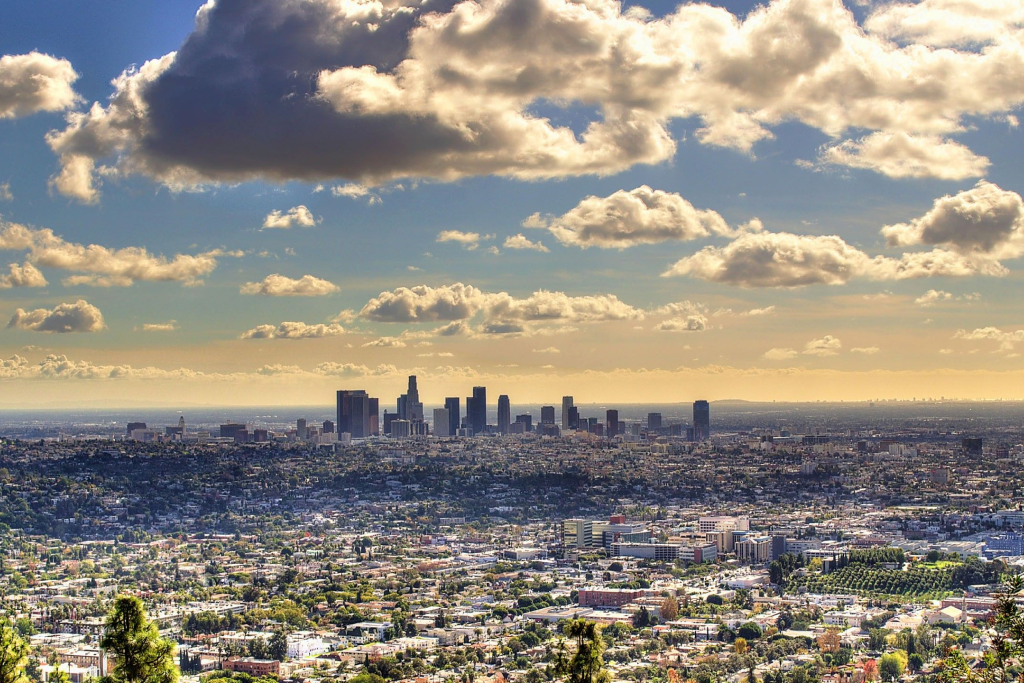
[{"x": 261, "y": 201}]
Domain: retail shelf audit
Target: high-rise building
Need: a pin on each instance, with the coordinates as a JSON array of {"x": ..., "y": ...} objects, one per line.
[
  {"x": 409, "y": 405},
  {"x": 547, "y": 415},
  {"x": 701, "y": 421},
  {"x": 478, "y": 417},
  {"x": 451, "y": 404},
  {"x": 354, "y": 413},
  {"x": 611, "y": 423},
  {"x": 468, "y": 422},
  {"x": 653, "y": 421},
  {"x": 328, "y": 427},
  {"x": 574, "y": 418},
  {"x": 374, "y": 417},
  {"x": 504, "y": 414},
  {"x": 233, "y": 430},
  {"x": 527, "y": 420},
  {"x": 300, "y": 429},
  {"x": 442, "y": 426},
  {"x": 567, "y": 403},
  {"x": 132, "y": 426}
]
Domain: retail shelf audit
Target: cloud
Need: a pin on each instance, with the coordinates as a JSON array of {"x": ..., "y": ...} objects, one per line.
[
  {"x": 371, "y": 92},
  {"x": 293, "y": 330},
  {"x": 826, "y": 346},
  {"x": 80, "y": 316},
  {"x": 468, "y": 240},
  {"x": 502, "y": 314},
  {"x": 932, "y": 297},
  {"x": 281, "y": 285},
  {"x": 865, "y": 350},
  {"x": 5, "y": 193},
  {"x": 628, "y": 218},
  {"x": 519, "y": 241},
  {"x": 984, "y": 220},
  {"x": 691, "y": 323},
  {"x": 1007, "y": 340},
  {"x": 332, "y": 369},
  {"x": 168, "y": 326},
  {"x": 386, "y": 343},
  {"x": 948, "y": 23},
  {"x": 780, "y": 259},
  {"x": 102, "y": 266},
  {"x": 298, "y": 215},
  {"x": 757, "y": 312},
  {"x": 357, "y": 191},
  {"x": 779, "y": 354},
  {"x": 902, "y": 155},
  {"x": 34, "y": 83},
  {"x": 25, "y": 275},
  {"x": 550, "y": 349}
]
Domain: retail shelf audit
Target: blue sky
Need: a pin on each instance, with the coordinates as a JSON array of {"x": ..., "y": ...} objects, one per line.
[{"x": 366, "y": 248}]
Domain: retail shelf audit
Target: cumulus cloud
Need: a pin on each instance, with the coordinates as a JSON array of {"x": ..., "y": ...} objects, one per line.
[
  {"x": 25, "y": 275},
  {"x": 293, "y": 330},
  {"x": 296, "y": 216},
  {"x": 281, "y": 285},
  {"x": 331, "y": 369},
  {"x": 357, "y": 191},
  {"x": 501, "y": 314},
  {"x": 35, "y": 82},
  {"x": 932, "y": 297},
  {"x": 902, "y": 155},
  {"x": 948, "y": 23},
  {"x": 468, "y": 240},
  {"x": 80, "y": 316},
  {"x": 1007, "y": 339},
  {"x": 628, "y": 218},
  {"x": 691, "y": 323},
  {"x": 985, "y": 220},
  {"x": 779, "y": 354},
  {"x": 865, "y": 350},
  {"x": 372, "y": 91},
  {"x": 520, "y": 241},
  {"x": 386, "y": 343},
  {"x": 780, "y": 259},
  {"x": 756, "y": 312},
  {"x": 168, "y": 326},
  {"x": 102, "y": 266},
  {"x": 826, "y": 346}
]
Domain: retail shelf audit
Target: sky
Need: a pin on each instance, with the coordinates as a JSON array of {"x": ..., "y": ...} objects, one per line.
[{"x": 262, "y": 201}]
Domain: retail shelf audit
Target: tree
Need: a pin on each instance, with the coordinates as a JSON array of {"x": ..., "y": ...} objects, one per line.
[
  {"x": 140, "y": 654},
  {"x": 915, "y": 662},
  {"x": 642, "y": 619},
  {"x": 1007, "y": 646},
  {"x": 586, "y": 665},
  {"x": 669, "y": 609},
  {"x": 277, "y": 648},
  {"x": 13, "y": 655},
  {"x": 749, "y": 631},
  {"x": 870, "y": 670},
  {"x": 739, "y": 646},
  {"x": 891, "y": 666},
  {"x": 59, "y": 675},
  {"x": 829, "y": 641}
]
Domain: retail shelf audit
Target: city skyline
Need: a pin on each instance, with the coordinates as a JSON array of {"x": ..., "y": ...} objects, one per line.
[{"x": 824, "y": 205}]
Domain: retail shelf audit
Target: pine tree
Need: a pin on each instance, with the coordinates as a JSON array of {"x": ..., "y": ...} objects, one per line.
[
  {"x": 140, "y": 654},
  {"x": 13, "y": 655}
]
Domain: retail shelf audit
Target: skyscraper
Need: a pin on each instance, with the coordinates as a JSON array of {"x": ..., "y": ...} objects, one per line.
[
  {"x": 478, "y": 417},
  {"x": 653, "y": 421},
  {"x": 567, "y": 403},
  {"x": 409, "y": 405},
  {"x": 547, "y": 415},
  {"x": 442, "y": 426},
  {"x": 300, "y": 429},
  {"x": 612, "y": 423},
  {"x": 354, "y": 413},
  {"x": 451, "y": 404},
  {"x": 701, "y": 421},
  {"x": 374, "y": 417},
  {"x": 574, "y": 418},
  {"x": 468, "y": 422},
  {"x": 504, "y": 414}
]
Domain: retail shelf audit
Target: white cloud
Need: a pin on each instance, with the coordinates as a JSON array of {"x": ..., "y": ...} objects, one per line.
[
  {"x": 25, "y": 275},
  {"x": 985, "y": 220},
  {"x": 1007, "y": 340},
  {"x": 80, "y": 316},
  {"x": 168, "y": 326},
  {"x": 386, "y": 343},
  {"x": 331, "y": 369},
  {"x": 932, "y": 297},
  {"x": 628, "y": 218},
  {"x": 5, "y": 193},
  {"x": 550, "y": 349},
  {"x": 296, "y": 216},
  {"x": 103, "y": 266},
  {"x": 520, "y": 241},
  {"x": 35, "y": 82},
  {"x": 865, "y": 350},
  {"x": 468, "y": 240},
  {"x": 903, "y": 155},
  {"x": 779, "y": 354},
  {"x": 757, "y": 312},
  {"x": 780, "y": 259},
  {"x": 691, "y": 323},
  {"x": 826, "y": 346},
  {"x": 293, "y": 330},
  {"x": 357, "y": 191},
  {"x": 281, "y": 285},
  {"x": 370, "y": 92},
  {"x": 948, "y": 23}
]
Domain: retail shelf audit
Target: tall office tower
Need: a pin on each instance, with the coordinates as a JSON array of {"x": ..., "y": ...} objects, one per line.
[
  {"x": 574, "y": 418},
  {"x": 479, "y": 414},
  {"x": 328, "y": 427},
  {"x": 547, "y": 415},
  {"x": 132, "y": 426},
  {"x": 468, "y": 422},
  {"x": 300, "y": 428},
  {"x": 653, "y": 421},
  {"x": 701, "y": 421},
  {"x": 374, "y": 417},
  {"x": 442, "y": 426},
  {"x": 567, "y": 403},
  {"x": 611, "y": 423},
  {"x": 403, "y": 407},
  {"x": 504, "y": 414},
  {"x": 451, "y": 404},
  {"x": 413, "y": 407},
  {"x": 386, "y": 424},
  {"x": 181, "y": 424},
  {"x": 354, "y": 413},
  {"x": 528, "y": 421}
]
